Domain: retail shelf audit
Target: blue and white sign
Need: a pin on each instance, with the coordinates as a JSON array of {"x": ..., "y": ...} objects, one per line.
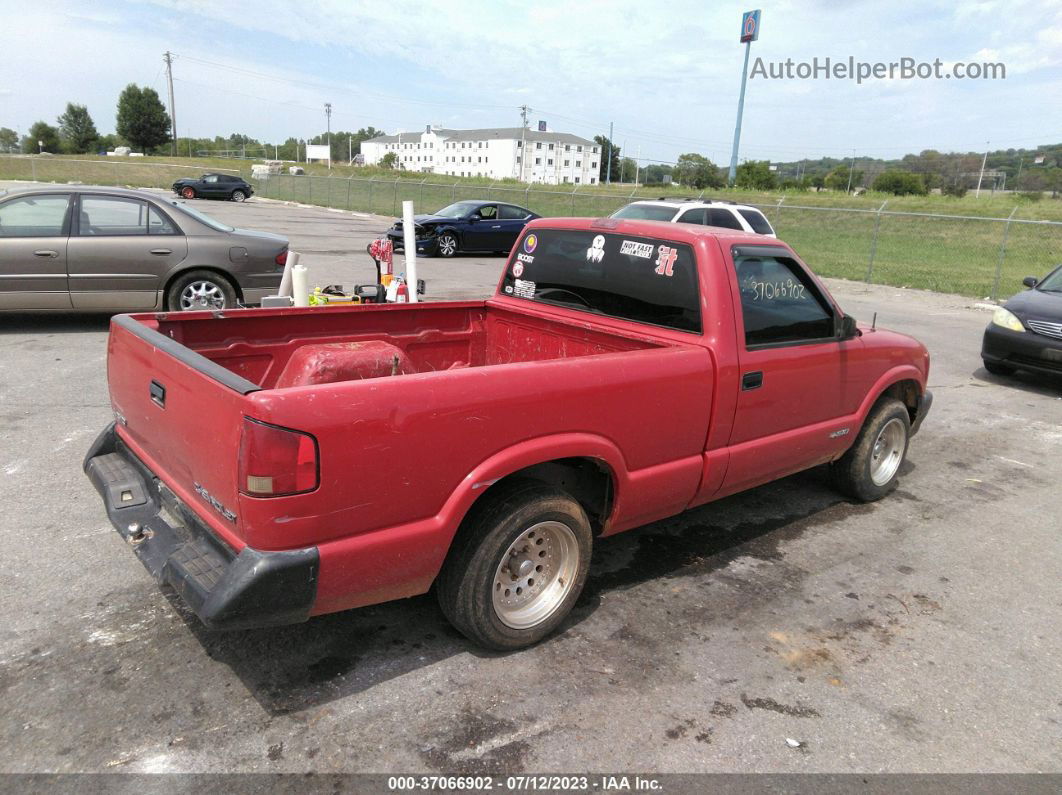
[{"x": 750, "y": 26}]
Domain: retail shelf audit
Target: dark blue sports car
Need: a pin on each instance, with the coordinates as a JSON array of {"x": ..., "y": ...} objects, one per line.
[{"x": 466, "y": 226}]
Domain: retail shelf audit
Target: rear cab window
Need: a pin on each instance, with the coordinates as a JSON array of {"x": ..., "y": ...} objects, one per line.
[{"x": 645, "y": 280}]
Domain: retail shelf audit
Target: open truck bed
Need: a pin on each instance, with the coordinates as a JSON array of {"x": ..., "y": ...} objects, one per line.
[{"x": 408, "y": 411}]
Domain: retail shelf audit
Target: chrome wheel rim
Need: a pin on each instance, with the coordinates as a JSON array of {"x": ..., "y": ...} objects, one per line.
[
  {"x": 238, "y": 196},
  {"x": 448, "y": 246},
  {"x": 535, "y": 575},
  {"x": 202, "y": 295},
  {"x": 887, "y": 452}
]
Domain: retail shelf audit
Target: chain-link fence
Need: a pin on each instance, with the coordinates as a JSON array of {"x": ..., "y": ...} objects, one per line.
[{"x": 983, "y": 257}]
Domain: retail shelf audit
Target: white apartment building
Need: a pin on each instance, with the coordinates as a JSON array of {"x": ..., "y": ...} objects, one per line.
[{"x": 552, "y": 158}]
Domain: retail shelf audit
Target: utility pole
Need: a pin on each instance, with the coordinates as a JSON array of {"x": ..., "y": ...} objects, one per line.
[
  {"x": 168, "y": 58},
  {"x": 523, "y": 141},
  {"x": 851, "y": 169},
  {"x": 750, "y": 32},
  {"x": 328, "y": 116},
  {"x": 981, "y": 176},
  {"x": 638, "y": 165},
  {"x": 608, "y": 168},
  {"x": 1017, "y": 179},
  {"x": 350, "y": 150}
]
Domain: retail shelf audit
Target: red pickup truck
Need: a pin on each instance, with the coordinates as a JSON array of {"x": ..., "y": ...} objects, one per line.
[{"x": 273, "y": 465}]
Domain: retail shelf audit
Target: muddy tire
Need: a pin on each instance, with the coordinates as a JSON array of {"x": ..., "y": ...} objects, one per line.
[
  {"x": 517, "y": 566},
  {"x": 871, "y": 467}
]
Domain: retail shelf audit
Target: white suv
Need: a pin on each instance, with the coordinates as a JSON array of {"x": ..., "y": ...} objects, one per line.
[{"x": 709, "y": 212}]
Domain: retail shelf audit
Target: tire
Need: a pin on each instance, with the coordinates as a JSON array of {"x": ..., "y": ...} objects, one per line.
[
  {"x": 446, "y": 245},
  {"x": 188, "y": 193},
  {"x": 997, "y": 368},
  {"x": 238, "y": 196},
  {"x": 486, "y": 600},
  {"x": 199, "y": 290},
  {"x": 871, "y": 467}
]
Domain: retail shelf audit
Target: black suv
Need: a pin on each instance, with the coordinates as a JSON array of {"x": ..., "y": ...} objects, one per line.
[{"x": 214, "y": 186}]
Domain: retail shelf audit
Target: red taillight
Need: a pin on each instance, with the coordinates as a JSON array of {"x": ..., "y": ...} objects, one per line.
[
  {"x": 282, "y": 258},
  {"x": 276, "y": 461}
]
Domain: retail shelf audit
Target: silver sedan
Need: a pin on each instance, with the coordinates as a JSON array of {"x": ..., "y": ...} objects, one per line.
[{"x": 108, "y": 249}]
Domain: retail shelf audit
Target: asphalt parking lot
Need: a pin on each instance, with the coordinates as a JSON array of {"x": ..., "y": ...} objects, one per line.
[{"x": 920, "y": 633}]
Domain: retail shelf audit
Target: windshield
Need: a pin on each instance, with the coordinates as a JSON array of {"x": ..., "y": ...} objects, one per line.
[
  {"x": 458, "y": 209},
  {"x": 201, "y": 217},
  {"x": 634, "y": 278},
  {"x": 1052, "y": 283},
  {"x": 646, "y": 212}
]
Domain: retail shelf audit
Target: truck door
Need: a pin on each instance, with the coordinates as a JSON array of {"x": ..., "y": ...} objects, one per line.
[
  {"x": 792, "y": 370},
  {"x": 33, "y": 243}
]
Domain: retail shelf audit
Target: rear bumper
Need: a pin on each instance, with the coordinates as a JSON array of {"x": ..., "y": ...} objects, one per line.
[
  {"x": 225, "y": 588},
  {"x": 1026, "y": 350}
]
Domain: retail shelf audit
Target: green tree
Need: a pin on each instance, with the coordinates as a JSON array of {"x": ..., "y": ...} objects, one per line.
[
  {"x": 696, "y": 171},
  {"x": 755, "y": 174},
  {"x": 628, "y": 169},
  {"x": 609, "y": 151},
  {"x": 388, "y": 160},
  {"x": 8, "y": 139},
  {"x": 900, "y": 183},
  {"x": 41, "y": 133},
  {"x": 142, "y": 119},
  {"x": 76, "y": 130},
  {"x": 838, "y": 178}
]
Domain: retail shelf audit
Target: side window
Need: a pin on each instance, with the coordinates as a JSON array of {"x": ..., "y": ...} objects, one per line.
[
  {"x": 105, "y": 215},
  {"x": 723, "y": 218},
  {"x": 34, "y": 216},
  {"x": 692, "y": 216},
  {"x": 509, "y": 212},
  {"x": 210, "y": 178},
  {"x": 757, "y": 222},
  {"x": 780, "y": 303},
  {"x": 488, "y": 212},
  {"x": 158, "y": 224}
]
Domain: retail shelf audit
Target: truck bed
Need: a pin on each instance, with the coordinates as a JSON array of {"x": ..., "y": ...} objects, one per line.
[{"x": 282, "y": 350}]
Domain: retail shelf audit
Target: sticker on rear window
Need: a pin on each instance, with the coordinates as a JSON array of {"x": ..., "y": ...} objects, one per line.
[
  {"x": 518, "y": 269},
  {"x": 665, "y": 263},
  {"x": 636, "y": 249},
  {"x": 523, "y": 289},
  {"x": 596, "y": 252}
]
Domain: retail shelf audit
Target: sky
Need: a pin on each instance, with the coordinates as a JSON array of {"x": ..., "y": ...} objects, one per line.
[{"x": 666, "y": 74}]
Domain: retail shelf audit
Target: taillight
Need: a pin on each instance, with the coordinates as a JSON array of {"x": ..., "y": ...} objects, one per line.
[
  {"x": 282, "y": 258},
  {"x": 276, "y": 461}
]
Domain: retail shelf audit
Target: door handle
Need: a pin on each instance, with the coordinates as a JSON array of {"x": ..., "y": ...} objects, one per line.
[
  {"x": 496, "y": 226},
  {"x": 161, "y": 251},
  {"x": 753, "y": 380},
  {"x": 46, "y": 253}
]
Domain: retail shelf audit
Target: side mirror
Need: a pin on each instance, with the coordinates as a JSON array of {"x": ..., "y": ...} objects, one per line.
[
  {"x": 845, "y": 328},
  {"x": 473, "y": 219},
  {"x": 1030, "y": 281}
]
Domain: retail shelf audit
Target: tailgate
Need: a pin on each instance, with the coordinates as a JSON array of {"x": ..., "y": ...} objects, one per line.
[{"x": 181, "y": 414}]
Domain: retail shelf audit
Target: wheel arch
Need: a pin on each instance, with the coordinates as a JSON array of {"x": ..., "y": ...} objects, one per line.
[{"x": 905, "y": 383}]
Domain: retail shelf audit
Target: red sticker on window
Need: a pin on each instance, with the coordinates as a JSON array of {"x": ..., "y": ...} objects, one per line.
[{"x": 665, "y": 263}]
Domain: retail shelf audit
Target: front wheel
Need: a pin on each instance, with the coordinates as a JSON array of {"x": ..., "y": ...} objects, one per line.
[
  {"x": 188, "y": 193},
  {"x": 200, "y": 290},
  {"x": 871, "y": 467},
  {"x": 446, "y": 245},
  {"x": 517, "y": 569},
  {"x": 238, "y": 196}
]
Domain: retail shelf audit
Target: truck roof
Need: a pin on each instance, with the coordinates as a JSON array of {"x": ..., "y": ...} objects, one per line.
[{"x": 685, "y": 233}]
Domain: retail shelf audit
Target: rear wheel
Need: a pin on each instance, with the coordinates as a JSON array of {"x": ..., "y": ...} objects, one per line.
[
  {"x": 188, "y": 193},
  {"x": 517, "y": 568},
  {"x": 446, "y": 245},
  {"x": 200, "y": 290},
  {"x": 871, "y": 467},
  {"x": 997, "y": 368},
  {"x": 238, "y": 196}
]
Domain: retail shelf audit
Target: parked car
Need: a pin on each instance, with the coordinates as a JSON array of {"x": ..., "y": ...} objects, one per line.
[
  {"x": 282, "y": 464},
  {"x": 214, "y": 186},
  {"x": 1026, "y": 332},
  {"x": 707, "y": 212},
  {"x": 466, "y": 226},
  {"x": 90, "y": 248}
]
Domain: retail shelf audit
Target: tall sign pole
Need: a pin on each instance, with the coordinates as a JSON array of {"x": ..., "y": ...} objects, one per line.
[
  {"x": 168, "y": 58},
  {"x": 750, "y": 31}
]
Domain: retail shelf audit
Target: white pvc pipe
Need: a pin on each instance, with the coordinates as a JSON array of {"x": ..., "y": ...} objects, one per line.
[
  {"x": 300, "y": 285},
  {"x": 410, "y": 235},
  {"x": 285, "y": 280}
]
